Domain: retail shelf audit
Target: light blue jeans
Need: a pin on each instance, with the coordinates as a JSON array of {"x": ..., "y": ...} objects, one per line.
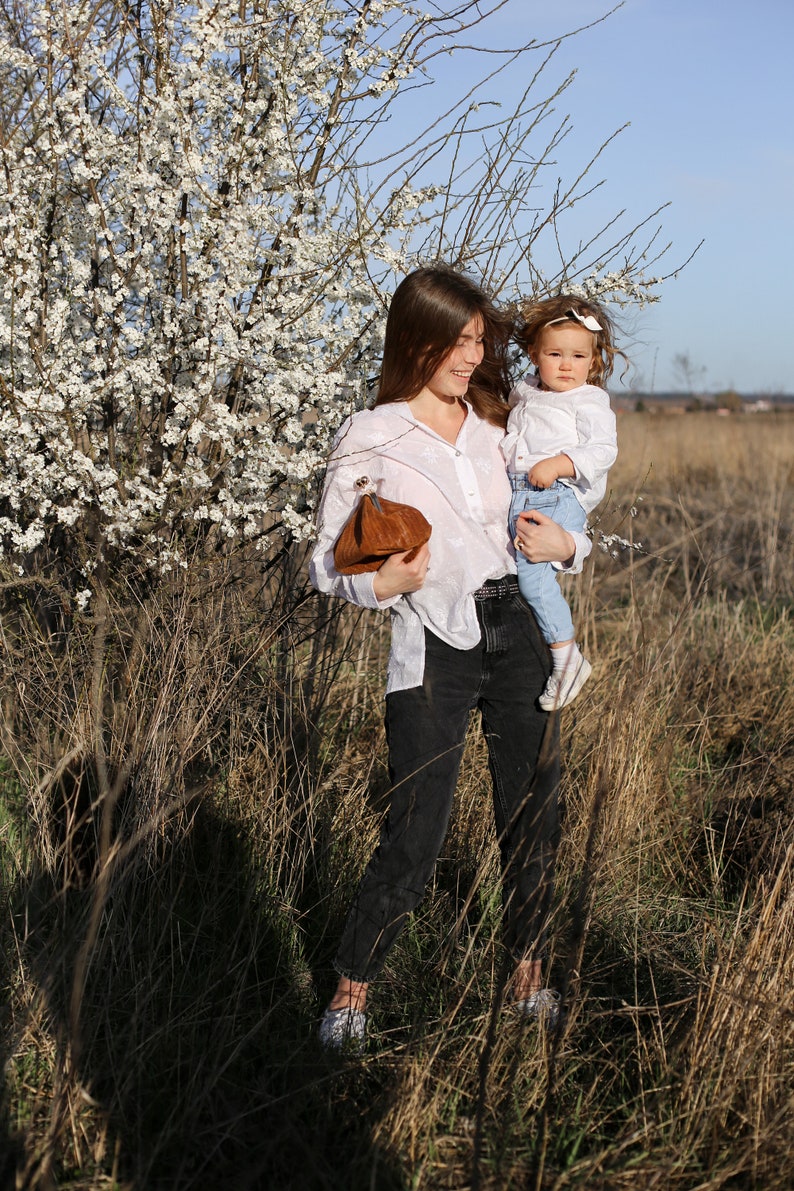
[{"x": 538, "y": 580}]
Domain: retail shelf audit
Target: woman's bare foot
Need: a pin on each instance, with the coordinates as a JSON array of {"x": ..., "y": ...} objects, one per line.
[
  {"x": 527, "y": 979},
  {"x": 534, "y": 1002},
  {"x": 344, "y": 1024},
  {"x": 350, "y": 994}
]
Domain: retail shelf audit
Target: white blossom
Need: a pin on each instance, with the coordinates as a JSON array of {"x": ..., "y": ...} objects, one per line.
[{"x": 198, "y": 242}]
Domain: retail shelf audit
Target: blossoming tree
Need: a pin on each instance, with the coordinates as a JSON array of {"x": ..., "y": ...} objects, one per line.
[
  {"x": 204, "y": 206},
  {"x": 200, "y": 219}
]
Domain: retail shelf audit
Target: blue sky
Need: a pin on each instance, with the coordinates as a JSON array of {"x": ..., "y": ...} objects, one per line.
[{"x": 708, "y": 90}]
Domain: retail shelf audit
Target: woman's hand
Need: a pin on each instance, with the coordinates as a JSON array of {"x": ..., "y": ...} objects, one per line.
[
  {"x": 398, "y": 576},
  {"x": 540, "y": 539}
]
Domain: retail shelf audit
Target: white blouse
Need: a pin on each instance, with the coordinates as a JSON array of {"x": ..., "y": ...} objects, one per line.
[
  {"x": 579, "y": 423},
  {"x": 464, "y": 493}
]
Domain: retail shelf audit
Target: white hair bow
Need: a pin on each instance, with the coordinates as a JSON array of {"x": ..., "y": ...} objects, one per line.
[{"x": 586, "y": 320}]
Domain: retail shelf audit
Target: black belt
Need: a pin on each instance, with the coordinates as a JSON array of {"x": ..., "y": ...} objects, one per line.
[{"x": 497, "y": 589}]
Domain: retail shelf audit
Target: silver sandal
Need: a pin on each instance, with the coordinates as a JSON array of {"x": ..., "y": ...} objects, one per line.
[
  {"x": 542, "y": 1006},
  {"x": 343, "y": 1029}
]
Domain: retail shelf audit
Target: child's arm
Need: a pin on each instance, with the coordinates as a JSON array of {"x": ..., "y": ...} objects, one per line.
[
  {"x": 557, "y": 467},
  {"x": 597, "y": 431}
]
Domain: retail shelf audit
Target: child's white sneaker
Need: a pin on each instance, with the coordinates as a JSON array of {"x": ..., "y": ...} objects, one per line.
[{"x": 562, "y": 686}]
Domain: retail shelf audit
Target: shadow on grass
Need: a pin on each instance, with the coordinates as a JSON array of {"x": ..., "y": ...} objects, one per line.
[{"x": 189, "y": 1052}]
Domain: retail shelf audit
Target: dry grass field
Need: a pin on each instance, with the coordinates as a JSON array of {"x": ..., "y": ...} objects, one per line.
[{"x": 162, "y": 996}]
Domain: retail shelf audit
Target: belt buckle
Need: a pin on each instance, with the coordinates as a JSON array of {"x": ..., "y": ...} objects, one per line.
[{"x": 494, "y": 589}]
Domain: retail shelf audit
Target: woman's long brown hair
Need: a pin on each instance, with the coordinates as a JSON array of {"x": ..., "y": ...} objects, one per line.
[{"x": 430, "y": 308}]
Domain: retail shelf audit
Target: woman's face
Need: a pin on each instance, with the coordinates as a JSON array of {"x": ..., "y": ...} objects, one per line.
[{"x": 451, "y": 379}]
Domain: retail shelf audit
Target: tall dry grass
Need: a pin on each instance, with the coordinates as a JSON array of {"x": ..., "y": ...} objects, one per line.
[{"x": 179, "y": 846}]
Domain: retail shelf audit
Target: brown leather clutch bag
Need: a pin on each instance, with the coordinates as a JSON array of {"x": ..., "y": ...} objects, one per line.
[{"x": 377, "y": 528}]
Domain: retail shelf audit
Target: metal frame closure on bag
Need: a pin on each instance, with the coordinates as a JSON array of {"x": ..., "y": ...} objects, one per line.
[{"x": 367, "y": 488}]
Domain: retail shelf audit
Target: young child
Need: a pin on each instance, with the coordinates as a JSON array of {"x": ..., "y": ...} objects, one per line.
[{"x": 561, "y": 441}]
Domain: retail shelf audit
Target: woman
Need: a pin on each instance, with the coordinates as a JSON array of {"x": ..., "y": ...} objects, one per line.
[{"x": 462, "y": 637}]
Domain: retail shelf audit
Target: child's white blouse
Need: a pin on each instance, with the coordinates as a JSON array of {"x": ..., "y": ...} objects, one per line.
[
  {"x": 579, "y": 424},
  {"x": 464, "y": 492}
]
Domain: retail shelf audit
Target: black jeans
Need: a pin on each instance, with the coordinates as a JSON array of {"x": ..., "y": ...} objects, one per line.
[{"x": 502, "y": 676}]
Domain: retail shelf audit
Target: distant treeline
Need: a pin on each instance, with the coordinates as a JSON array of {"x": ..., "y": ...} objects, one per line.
[{"x": 726, "y": 398}]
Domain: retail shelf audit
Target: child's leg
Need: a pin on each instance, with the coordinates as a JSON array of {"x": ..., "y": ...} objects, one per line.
[
  {"x": 539, "y": 586},
  {"x": 537, "y": 582}
]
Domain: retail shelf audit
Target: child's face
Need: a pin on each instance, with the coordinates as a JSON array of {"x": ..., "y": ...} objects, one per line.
[{"x": 563, "y": 356}]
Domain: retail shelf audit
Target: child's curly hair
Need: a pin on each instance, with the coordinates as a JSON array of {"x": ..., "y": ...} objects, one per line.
[{"x": 535, "y": 316}]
